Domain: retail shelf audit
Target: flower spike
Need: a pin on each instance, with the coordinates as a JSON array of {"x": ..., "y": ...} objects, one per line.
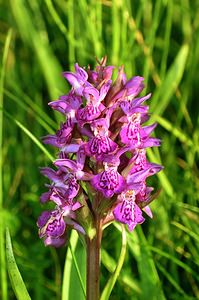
[{"x": 101, "y": 170}]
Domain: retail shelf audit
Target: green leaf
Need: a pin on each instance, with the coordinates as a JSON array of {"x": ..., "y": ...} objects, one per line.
[
  {"x": 125, "y": 278},
  {"x": 112, "y": 280},
  {"x": 17, "y": 282},
  {"x": 30, "y": 135},
  {"x": 3, "y": 276},
  {"x": 33, "y": 37},
  {"x": 150, "y": 283},
  {"x": 162, "y": 96},
  {"x": 74, "y": 270}
]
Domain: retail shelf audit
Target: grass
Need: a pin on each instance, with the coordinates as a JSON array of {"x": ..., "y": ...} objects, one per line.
[{"x": 156, "y": 39}]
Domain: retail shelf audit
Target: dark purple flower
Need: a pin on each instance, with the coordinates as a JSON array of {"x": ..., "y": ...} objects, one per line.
[
  {"x": 52, "y": 224},
  {"x": 108, "y": 182},
  {"x": 64, "y": 186},
  {"x": 61, "y": 138},
  {"x": 100, "y": 145},
  {"x": 67, "y": 105},
  {"x": 127, "y": 211},
  {"x": 52, "y": 227},
  {"x": 78, "y": 80}
]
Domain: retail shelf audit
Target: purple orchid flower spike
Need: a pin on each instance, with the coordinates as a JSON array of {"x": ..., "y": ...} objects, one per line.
[{"x": 102, "y": 167}]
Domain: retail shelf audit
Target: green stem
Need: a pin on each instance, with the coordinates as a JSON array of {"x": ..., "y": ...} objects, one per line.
[{"x": 93, "y": 264}]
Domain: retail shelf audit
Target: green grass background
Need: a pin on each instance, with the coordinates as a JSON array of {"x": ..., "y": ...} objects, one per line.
[{"x": 155, "y": 39}]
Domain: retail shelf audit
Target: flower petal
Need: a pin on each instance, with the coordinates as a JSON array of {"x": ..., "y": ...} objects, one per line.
[{"x": 109, "y": 182}]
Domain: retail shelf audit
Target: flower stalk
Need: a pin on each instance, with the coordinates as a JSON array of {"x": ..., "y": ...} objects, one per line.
[{"x": 93, "y": 263}]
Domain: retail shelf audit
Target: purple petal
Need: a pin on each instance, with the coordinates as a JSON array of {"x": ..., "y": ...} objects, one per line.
[
  {"x": 81, "y": 157},
  {"x": 147, "y": 130},
  {"x": 138, "y": 101},
  {"x": 57, "y": 197},
  {"x": 107, "y": 72},
  {"x": 154, "y": 168},
  {"x": 127, "y": 212},
  {"x": 139, "y": 109},
  {"x": 132, "y": 88},
  {"x": 129, "y": 106},
  {"x": 75, "y": 82},
  {"x": 100, "y": 125},
  {"x": 66, "y": 164},
  {"x": 144, "y": 194},
  {"x": 59, "y": 105},
  {"x": 55, "y": 242},
  {"x": 90, "y": 112},
  {"x": 91, "y": 93},
  {"x": 81, "y": 72},
  {"x": 45, "y": 196},
  {"x": 71, "y": 148},
  {"x": 72, "y": 187},
  {"x": 73, "y": 101},
  {"x": 142, "y": 175},
  {"x": 43, "y": 218},
  {"x": 56, "y": 227},
  {"x": 50, "y": 173},
  {"x": 51, "y": 139},
  {"x": 100, "y": 145},
  {"x": 151, "y": 142},
  {"x": 138, "y": 176},
  {"x": 104, "y": 89},
  {"x": 63, "y": 135},
  {"x": 130, "y": 134},
  {"x": 76, "y": 206},
  {"x": 93, "y": 76},
  {"x": 148, "y": 211},
  {"x": 108, "y": 183}
]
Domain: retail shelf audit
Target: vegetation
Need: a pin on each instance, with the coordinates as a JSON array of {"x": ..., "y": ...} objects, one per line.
[{"x": 155, "y": 39}]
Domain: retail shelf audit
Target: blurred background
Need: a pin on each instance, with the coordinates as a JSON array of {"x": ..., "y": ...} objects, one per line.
[{"x": 155, "y": 39}]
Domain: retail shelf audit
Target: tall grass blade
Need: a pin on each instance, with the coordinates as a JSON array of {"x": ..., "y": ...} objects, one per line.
[
  {"x": 78, "y": 271},
  {"x": 126, "y": 279},
  {"x": 73, "y": 286},
  {"x": 112, "y": 280},
  {"x": 3, "y": 276},
  {"x": 17, "y": 282},
  {"x": 34, "y": 37},
  {"x": 171, "y": 82},
  {"x": 30, "y": 135}
]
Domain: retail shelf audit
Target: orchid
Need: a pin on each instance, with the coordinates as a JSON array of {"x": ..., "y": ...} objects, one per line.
[{"x": 102, "y": 165}]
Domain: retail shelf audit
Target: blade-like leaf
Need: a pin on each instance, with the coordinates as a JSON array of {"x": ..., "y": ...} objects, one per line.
[
  {"x": 3, "y": 276},
  {"x": 74, "y": 270},
  {"x": 164, "y": 93},
  {"x": 112, "y": 280},
  {"x": 30, "y": 135},
  {"x": 17, "y": 282}
]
